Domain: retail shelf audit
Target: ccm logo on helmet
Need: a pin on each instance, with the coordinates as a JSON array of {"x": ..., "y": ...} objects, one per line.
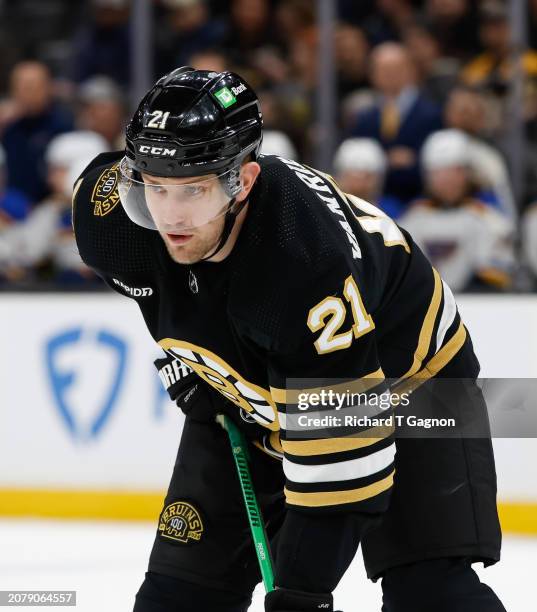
[{"x": 157, "y": 151}]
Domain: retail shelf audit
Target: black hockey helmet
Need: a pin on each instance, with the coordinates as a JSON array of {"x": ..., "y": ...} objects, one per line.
[
  {"x": 192, "y": 123},
  {"x": 195, "y": 122}
]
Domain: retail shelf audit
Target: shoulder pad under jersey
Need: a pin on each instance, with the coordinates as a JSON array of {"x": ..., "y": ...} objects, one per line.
[{"x": 108, "y": 241}]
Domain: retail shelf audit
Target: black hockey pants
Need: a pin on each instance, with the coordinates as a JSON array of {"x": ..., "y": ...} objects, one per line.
[{"x": 437, "y": 585}]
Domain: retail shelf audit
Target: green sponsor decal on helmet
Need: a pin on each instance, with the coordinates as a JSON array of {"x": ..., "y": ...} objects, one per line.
[{"x": 225, "y": 97}]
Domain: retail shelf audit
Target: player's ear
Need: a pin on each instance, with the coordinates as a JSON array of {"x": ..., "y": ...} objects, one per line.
[{"x": 249, "y": 173}]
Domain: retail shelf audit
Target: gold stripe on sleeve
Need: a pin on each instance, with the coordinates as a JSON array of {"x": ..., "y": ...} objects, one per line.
[
  {"x": 424, "y": 340},
  {"x": 307, "y": 448},
  {"x": 334, "y": 498},
  {"x": 436, "y": 363},
  {"x": 444, "y": 355},
  {"x": 274, "y": 439}
]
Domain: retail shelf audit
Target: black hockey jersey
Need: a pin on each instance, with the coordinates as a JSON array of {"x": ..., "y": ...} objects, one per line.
[{"x": 320, "y": 286}]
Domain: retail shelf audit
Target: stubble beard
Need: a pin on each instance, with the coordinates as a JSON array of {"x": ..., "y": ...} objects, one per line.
[{"x": 201, "y": 245}]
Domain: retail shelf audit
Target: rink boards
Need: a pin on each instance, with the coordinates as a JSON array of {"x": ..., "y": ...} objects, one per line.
[{"x": 87, "y": 431}]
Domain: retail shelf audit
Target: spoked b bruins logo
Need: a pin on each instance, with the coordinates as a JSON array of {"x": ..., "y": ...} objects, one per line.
[
  {"x": 181, "y": 522},
  {"x": 105, "y": 196}
]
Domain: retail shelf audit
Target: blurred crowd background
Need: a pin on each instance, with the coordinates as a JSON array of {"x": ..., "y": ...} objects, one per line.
[{"x": 434, "y": 117}]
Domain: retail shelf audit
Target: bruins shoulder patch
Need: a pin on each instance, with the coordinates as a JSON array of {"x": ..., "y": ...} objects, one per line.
[
  {"x": 105, "y": 196},
  {"x": 181, "y": 521}
]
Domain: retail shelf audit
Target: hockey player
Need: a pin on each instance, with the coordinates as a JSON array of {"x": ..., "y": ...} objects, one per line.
[{"x": 252, "y": 272}]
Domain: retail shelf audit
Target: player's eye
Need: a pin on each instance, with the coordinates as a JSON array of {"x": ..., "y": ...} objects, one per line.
[
  {"x": 159, "y": 190},
  {"x": 192, "y": 191}
]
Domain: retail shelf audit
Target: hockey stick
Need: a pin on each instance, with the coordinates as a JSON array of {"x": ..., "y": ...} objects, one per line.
[{"x": 240, "y": 455}]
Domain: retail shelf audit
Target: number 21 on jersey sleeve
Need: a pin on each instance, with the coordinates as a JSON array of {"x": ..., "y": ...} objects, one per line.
[{"x": 329, "y": 315}]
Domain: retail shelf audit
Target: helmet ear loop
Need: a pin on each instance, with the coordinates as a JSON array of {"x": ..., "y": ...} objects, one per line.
[
  {"x": 232, "y": 186},
  {"x": 232, "y": 183}
]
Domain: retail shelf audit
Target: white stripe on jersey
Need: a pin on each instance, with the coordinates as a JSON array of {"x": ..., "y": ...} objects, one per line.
[
  {"x": 342, "y": 470},
  {"x": 448, "y": 315}
]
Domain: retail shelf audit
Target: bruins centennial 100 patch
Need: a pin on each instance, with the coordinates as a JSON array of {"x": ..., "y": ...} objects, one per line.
[
  {"x": 180, "y": 521},
  {"x": 105, "y": 194}
]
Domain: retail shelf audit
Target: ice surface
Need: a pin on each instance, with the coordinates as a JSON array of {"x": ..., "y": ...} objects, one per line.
[{"x": 105, "y": 563}]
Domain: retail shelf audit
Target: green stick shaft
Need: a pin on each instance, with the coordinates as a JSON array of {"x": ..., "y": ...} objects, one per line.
[{"x": 257, "y": 527}]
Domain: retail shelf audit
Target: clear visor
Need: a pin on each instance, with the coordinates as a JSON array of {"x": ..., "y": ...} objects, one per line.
[{"x": 169, "y": 206}]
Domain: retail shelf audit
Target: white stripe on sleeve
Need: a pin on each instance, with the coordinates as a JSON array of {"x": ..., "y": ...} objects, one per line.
[
  {"x": 342, "y": 470},
  {"x": 448, "y": 315}
]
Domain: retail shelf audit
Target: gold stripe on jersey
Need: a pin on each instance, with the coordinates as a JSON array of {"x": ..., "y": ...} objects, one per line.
[
  {"x": 437, "y": 362},
  {"x": 334, "y": 498},
  {"x": 326, "y": 446},
  {"x": 274, "y": 439},
  {"x": 444, "y": 355},
  {"x": 73, "y": 200},
  {"x": 76, "y": 188},
  {"x": 426, "y": 332},
  {"x": 359, "y": 385}
]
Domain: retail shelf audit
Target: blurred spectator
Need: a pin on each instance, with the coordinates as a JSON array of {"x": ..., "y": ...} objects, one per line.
[
  {"x": 273, "y": 109},
  {"x": 46, "y": 234},
  {"x": 14, "y": 209},
  {"x": 284, "y": 111},
  {"x": 102, "y": 110},
  {"x": 249, "y": 30},
  {"x": 293, "y": 17},
  {"x": 209, "y": 59},
  {"x": 38, "y": 119},
  {"x": 453, "y": 24},
  {"x": 351, "y": 49},
  {"x": 437, "y": 74},
  {"x": 465, "y": 110},
  {"x": 466, "y": 240},
  {"x": 14, "y": 205},
  {"x": 529, "y": 238},
  {"x": 288, "y": 105},
  {"x": 278, "y": 143},
  {"x": 360, "y": 167},
  {"x": 102, "y": 45},
  {"x": 400, "y": 120},
  {"x": 492, "y": 70},
  {"x": 388, "y": 20},
  {"x": 388, "y": 97},
  {"x": 188, "y": 29}
]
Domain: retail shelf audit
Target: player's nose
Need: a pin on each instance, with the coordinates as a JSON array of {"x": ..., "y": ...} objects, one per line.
[{"x": 171, "y": 216}]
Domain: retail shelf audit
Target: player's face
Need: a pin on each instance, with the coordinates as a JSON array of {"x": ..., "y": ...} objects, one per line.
[
  {"x": 193, "y": 247},
  {"x": 450, "y": 185},
  {"x": 189, "y": 214},
  {"x": 365, "y": 185}
]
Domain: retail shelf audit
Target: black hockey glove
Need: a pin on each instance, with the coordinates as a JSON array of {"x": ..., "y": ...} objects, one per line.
[
  {"x": 289, "y": 600},
  {"x": 197, "y": 400}
]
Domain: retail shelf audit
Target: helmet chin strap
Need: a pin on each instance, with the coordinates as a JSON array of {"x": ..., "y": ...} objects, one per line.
[{"x": 229, "y": 222}]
